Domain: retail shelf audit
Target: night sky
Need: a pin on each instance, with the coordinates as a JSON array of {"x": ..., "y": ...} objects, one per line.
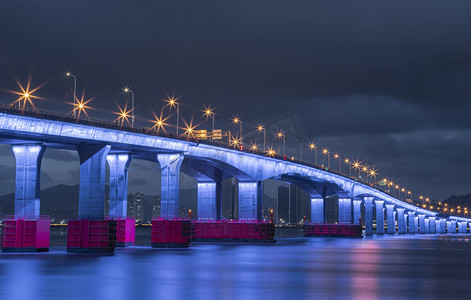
[{"x": 387, "y": 83}]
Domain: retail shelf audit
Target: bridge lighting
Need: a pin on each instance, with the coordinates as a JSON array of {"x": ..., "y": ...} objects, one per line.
[
  {"x": 208, "y": 112},
  {"x": 68, "y": 74},
  {"x": 281, "y": 135},
  {"x": 235, "y": 142},
  {"x": 159, "y": 123},
  {"x": 172, "y": 103},
  {"x": 80, "y": 106},
  {"x": 325, "y": 151},
  {"x": 271, "y": 152},
  {"x": 128, "y": 90},
  {"x": 237, "y": 121},
  {"x": 313, "y": 146},
  {"x": 123, "y": 115},
  {"x": 254, "y": 147},
  {"x": 26, "y": 95},
  {"x": 337, "y": 156},
  {"x": 260, "y": 128}
]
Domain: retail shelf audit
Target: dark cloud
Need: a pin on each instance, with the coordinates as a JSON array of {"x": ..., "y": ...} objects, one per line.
[{"x": 385, "y": 82}]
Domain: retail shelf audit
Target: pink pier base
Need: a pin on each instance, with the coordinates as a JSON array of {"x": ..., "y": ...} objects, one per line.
[{"x": 25, "y": 234}]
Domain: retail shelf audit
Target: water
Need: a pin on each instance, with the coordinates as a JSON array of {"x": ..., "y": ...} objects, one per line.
[{"x": 414, "y": 267}]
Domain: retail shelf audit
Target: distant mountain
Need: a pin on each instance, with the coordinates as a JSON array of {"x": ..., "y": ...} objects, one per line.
[{"x": 462, "y": 200}]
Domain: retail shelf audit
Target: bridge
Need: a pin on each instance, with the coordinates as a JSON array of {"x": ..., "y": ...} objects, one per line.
[{"x": 99, "y": 143}]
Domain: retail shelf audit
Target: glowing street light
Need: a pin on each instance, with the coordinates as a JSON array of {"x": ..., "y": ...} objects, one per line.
[
  {"x": 128, "y": 90},
  {"x": 260, "y": 128},
  {"x": 325, "y": 151},
  {"x": 209, "y": 113},
  {"x": 347, "y": 162},
  {"x": 313, "y": 146},
  {"x": 254, "y": 147},
  {"x": 26, "y": 94},
  {"x": 237, "y": 121},
  {"x": 271, "y": 152},
  {"x": 68, "y": 74},
  {"x": 172, "y": 103},
  {"x": 235, "y": 142},
  {"x": 337, "y": 156},
  {"x": 281, "y": 135},
  {"x": 357, "y": 165},
  {"x": 159, "y": 123},
  {"x": 123, "y": 115}
]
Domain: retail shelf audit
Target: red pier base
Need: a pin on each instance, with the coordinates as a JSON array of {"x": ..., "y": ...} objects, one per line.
[
  {"x": 332, "y": 230},
  {"x": 174, "y": 233},
  {"x": 25, "y": 234},
  {"x": 234, "y": 231},
  {"x": 87, "y": 236},
  {"x": 125, "y": 232}
]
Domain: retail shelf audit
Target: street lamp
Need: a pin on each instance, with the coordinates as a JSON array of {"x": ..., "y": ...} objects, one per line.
[
  {"x": 237, "y": 121},
  {"x": 259, "y": 129},
  {"x": 280, "y": 134},
  {"x": 68, "y": 74},
  {"x": 347, "y": 162},
  {"x": 128, "y": 90},
  {"x": 336, "y": 156},
  {"x": 172, "y": 102},
  {"x": 313, "y": 146},
  {"x": 325, "y": 151},
  {"x": 208, "y": 112}
]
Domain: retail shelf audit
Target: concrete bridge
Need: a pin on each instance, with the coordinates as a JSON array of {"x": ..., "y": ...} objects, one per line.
[{"x": 98, "y": 143}]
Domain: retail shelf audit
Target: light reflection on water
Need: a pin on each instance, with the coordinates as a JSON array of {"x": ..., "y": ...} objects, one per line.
[{"x": 299, "y": 268}]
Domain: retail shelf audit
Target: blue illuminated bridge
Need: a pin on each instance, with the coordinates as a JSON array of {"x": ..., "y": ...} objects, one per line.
[{"x": 210, "y": 163}]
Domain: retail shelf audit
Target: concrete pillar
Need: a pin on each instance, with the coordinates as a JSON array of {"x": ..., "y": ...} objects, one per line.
[
  {"x": 391, "y": 220},
  {"x": 422, "y": 223},
  {"x": 345, "y": 210},
  {"x": 27, "y": 179},
  {"x": 356, "y": 211},
  {"x": 379, "y": 217},
  {"x": 250, "y": 200},
  {"x": 416, "y": 224},
  {"x": 92, "y": 180},
  {"x": 209, "y": 200},
  {"x": 462, "y": 227},
  {"x": 368, "y": 215},
  {"x": 401, "y": 221},
  {"x": 427, "y": 225},
  {"x": 119, "y": 164},
  {"x": 433, "y": 228},
  {"x": 410, "y": 218},
  {"x": 453, "y": 226},
  {"x": 317, "y": 210},
  {"x": 443, "y": 224},
  {"x": 170, "y": 184}
]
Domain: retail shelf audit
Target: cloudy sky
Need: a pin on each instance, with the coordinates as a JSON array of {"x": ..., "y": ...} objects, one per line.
[{"x": 387, "y": 83}]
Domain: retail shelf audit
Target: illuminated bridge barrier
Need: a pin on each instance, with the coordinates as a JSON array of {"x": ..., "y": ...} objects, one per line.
[{"x": 98, "y": 144}]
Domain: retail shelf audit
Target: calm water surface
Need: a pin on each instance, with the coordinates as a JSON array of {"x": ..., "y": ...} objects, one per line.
[{"x": 414, "y": 267}]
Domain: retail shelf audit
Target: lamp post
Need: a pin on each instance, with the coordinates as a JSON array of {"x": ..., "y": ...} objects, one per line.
[
  {"x": 172, "y": 102},
  {"x": 313, "y": 146},
  {"x": 208, "y": 112},
  {"x": 325, "y": 151},
  {"x": 336, "y": 156},
  {"x": 280, "y": 134},
  {"x": 128, "y": 90},
  {"x": 347, "y": 161},
  {"x": 68, "y": 74},
  {"x": 237, "y": 121},
  {"x": 259, "y": 129}
]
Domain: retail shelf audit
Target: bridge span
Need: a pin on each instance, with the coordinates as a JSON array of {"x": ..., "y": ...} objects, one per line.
[{"x": 99, "y": 143}]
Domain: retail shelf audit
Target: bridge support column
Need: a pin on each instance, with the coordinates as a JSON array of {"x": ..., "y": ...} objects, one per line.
[
  {"x": 379, "y": 217},
  {"x": 26, "y": 213},
  {"x": 427, "y": 225},
  {"x": 391, "y": 220},
  {"x": 433, "y": 228},
  {"x": 443, "y": 224},
  {"x": 80, "y": 237},
  {"x": 125, "y": 228},
  {"x": 345, "y": 210},
  {"x": 170, "y": 184},
  {"x": 209, "y": 200},
  {"x": 368, "y": 215},
  {"x": 250, "y": 200},
  {"x": 401, "y": 221},
  {"x": 462, "y": 227},
  {"x": 356, "y": 211},
  {"x": 410, "y": 220},
  {"x": 317, "y": 210},
  {"x": 422, "y": 224},
  {"x": 453, "y": 226},
  {"x": 416, "y": 224}
]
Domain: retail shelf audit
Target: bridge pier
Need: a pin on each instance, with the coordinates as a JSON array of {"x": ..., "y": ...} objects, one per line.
[
  {"x": 209, "y": 200},
  {"x": 416, "y": 224},
  {"x": 422, "y": 224},
  {"x": 427, "y": 225},
  {"x": 250, "y": 200},
  {"x": 391, "y": 220},
  {"x": 368, "y": 215},
  {"x": 317, "y": 210},
  {"x": 410, "y": 218},
  {"x": 462, "y": 227},
  {"x": 81, "y": 233},
  {"x": 345, "y": 210},
  {"x": 356, "y": 211},
  {"x": 432, "y": 225},
  {"x": 379, "y": 217},
  {"x": 443, "y": 224},
  {"x": 118, "y": 195},
  {"x": 26, "y": 220},
  {"x": 401, "y": 220}
]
